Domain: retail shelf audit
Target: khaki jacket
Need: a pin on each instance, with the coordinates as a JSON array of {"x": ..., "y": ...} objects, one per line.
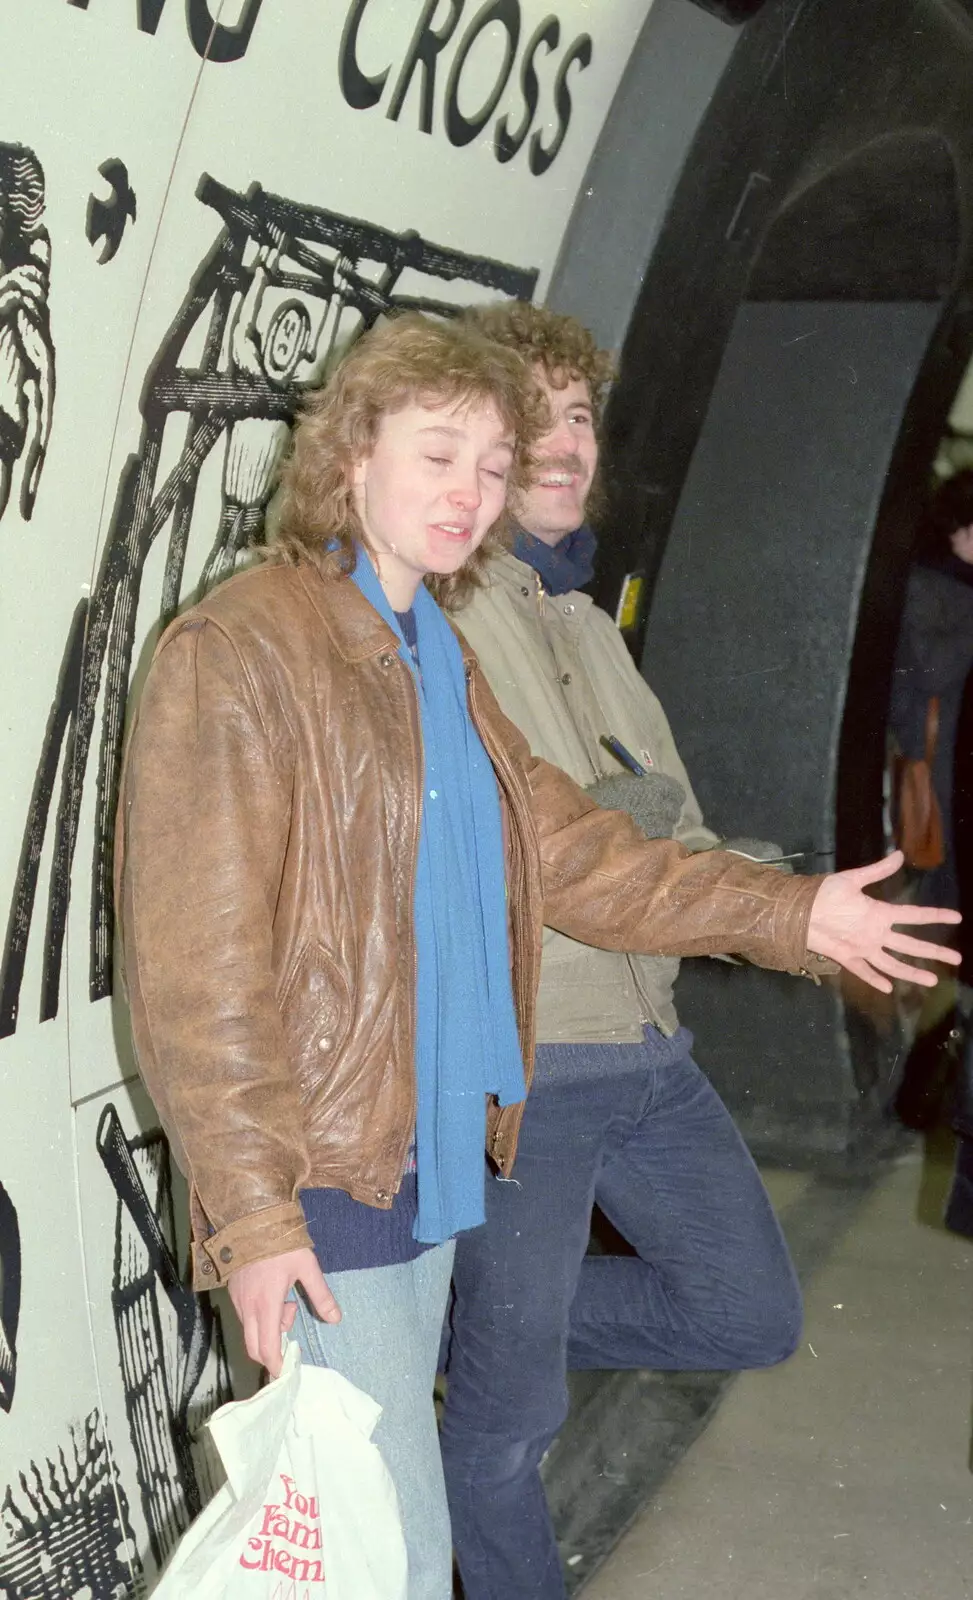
[
  {"x": 561, "y": 671},
  {"x": 266, "y": 847}
]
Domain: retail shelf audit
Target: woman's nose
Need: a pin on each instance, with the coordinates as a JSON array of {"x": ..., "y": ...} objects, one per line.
[{"x": 466, "y": 494}]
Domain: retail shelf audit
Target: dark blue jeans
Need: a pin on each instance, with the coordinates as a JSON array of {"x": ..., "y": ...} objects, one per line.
[{"x": 711, "y": 1287}]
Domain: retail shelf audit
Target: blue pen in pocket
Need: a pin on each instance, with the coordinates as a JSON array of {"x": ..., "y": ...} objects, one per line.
[{"x": 623, "y": 755}]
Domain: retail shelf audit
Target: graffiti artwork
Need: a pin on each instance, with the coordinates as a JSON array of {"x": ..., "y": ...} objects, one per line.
[
  {"x": 26, "y": 347},
  {"x": 170, "y": 1342},
  {"x": 284, "y": 289},
  {"x": 66, "y": 1527}
]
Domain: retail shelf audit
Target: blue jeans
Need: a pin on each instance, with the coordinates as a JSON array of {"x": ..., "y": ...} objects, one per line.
[
  {"x": 711, "y": 1287},
  {"x": 387, "y": 1343}
]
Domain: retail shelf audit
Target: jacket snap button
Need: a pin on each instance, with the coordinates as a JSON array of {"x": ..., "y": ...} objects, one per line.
[
  {"x": 323, "y": 1042},
  {"x": 207, "y": 1267},
  {"x": 387, "y": 660},
  {"x": 565, "y": 677},
  {"x": 569, "y": 611},
  {"x": 381, "y": 1194},
  {"x": 525, "y": 590},
  {"x": 226, "y": 1254}
]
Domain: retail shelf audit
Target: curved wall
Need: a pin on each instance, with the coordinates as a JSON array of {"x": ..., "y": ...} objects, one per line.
[
  {"x": 800, "y": 331},
  {"x": 199, "y": 205}
]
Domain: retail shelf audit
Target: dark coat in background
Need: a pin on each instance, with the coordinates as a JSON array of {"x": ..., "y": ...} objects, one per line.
[{"x": 935, "y": 657}]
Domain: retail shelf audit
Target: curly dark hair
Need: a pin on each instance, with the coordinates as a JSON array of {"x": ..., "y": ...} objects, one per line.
[
  {"x": 407, "y": 360},
  {"x": 560, "y": 344}
]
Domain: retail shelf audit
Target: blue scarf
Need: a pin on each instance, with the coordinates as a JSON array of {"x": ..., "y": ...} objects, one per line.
[
  {"x": 466, "y": 1033},
  {"x": 568, "y": 565}
]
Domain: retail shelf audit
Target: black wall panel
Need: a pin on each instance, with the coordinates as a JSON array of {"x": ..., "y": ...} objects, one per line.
[
  {"x": 755, "y": 610},
  {"x": 750, "y": 635}
]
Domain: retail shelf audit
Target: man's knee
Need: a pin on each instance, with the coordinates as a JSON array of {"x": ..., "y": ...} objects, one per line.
[
  {"x": 769, "y": 1331},
  {"x": 505, "y": 1401},
  {"x": 487, "y": 1461}
]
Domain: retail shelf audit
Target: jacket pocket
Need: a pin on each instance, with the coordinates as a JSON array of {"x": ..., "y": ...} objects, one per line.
[{"x": 315, "y": 1009}]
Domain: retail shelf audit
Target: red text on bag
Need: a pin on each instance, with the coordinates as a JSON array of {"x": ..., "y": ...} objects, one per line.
[{"x": 281, "y": 1521}]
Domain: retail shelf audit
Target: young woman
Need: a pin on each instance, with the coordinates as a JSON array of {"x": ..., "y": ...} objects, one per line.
[{"x": 334, "y": 860}]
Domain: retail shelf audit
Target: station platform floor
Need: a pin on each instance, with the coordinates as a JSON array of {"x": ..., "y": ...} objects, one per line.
[{"x": 845, "y": 1472}]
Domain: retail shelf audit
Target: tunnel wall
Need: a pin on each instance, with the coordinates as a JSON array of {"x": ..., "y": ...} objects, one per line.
[
  {"x": 752, "y": 626},
  {"x": 199, "y": 207}
]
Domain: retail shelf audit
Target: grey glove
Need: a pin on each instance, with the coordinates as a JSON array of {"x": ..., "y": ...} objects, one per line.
[{"x": 654, "y": 802}]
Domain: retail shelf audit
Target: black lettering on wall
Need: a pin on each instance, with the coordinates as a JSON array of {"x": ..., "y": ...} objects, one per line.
[
  {"x": 360, "y": 91},
  {"x": 461, "y": 130},
  {"x": 541, "y": 155},
  {"x": 147, "y": 15},
  {"x": 215, "y": 41},
  {"x": 505, "y": 143},
  {"x": 427, "y": 42},
  {"x": 212, "y": 41}
]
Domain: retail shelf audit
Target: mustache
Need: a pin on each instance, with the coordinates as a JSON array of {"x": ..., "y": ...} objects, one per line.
[{"x": 566, "y": 463}]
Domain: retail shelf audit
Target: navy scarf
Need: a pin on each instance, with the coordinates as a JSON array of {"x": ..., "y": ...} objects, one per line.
[
  {"x": 568, "y": 565},
  {"x": 466, "y": 1032}
]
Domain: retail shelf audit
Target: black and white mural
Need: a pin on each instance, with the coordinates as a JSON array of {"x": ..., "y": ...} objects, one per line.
[
  {"x": 66, "y": 1526},
  {"x": 203, "y": 203},
  {"x": 9, "y": 1298},
  {"x": 106, "y": 219},
  {"x": 26, "y": 348},
  {"x": 284, "y": 288},
  {"x": 170, "y": 1343}
]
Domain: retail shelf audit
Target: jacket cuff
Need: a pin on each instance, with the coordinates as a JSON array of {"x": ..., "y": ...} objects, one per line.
[
  {"x": 251, "y": 1238},
  {"x": 795, "y": 905}
]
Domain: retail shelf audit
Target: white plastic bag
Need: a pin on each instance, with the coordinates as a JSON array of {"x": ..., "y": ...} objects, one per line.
[{"x": 308, "y": 1511}]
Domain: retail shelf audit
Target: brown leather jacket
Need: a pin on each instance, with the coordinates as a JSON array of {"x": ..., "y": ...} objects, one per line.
[{"x": 267, "y": 835}]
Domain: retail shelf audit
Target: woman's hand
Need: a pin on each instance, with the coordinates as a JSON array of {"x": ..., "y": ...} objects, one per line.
[
  {"x": 862, "y": 933},
  {"x": 259, "y": 1293}
]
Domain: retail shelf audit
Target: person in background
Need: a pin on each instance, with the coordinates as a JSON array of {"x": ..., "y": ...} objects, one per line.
[
  {"x": 620, "y": 1114},
  {"x": 934, "y": 660},
  {"x": 334, "y": 858}
]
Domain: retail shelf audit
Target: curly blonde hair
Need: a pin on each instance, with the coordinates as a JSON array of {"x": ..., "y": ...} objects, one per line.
[
  {"x": 408, "y": 360},
  {"x": 560, "y": 344}
]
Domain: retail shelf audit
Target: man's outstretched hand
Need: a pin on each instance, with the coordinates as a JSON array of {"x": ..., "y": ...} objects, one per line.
[
  {"x": 259, "y": 1293},
  {"x": 863, "y": 933}
]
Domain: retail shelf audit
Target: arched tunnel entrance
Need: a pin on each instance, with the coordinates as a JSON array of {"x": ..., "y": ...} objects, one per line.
[
  {"x": 789, "y": 356},
  {"x": 777, "y": 529}
]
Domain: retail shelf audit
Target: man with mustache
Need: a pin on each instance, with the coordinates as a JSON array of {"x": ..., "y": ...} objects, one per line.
[{"x": 619, "y": 1114}]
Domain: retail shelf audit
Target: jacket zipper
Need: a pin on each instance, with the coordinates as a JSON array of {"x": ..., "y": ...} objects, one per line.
[{"x": 419, "y": 774}]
